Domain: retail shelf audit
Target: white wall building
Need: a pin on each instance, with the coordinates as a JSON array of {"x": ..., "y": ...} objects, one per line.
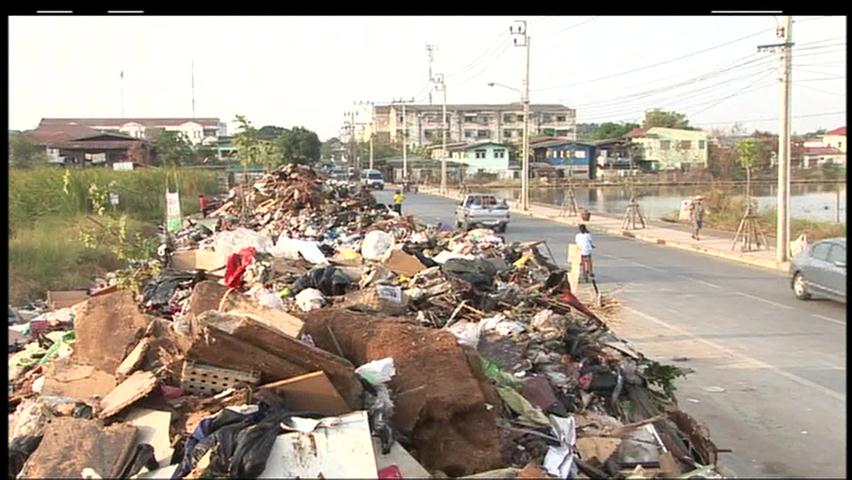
[{"x": 198, "y": 130}]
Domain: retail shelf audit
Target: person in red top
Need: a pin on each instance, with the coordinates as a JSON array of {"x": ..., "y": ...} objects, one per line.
[{"x": 203, "y": 202}]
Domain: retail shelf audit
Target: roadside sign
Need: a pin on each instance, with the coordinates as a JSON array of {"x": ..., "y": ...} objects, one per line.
[
  {"x": 122, "y": 166},
  {"x": 173, "y": 218},
  {"x": 113, "y": 198}
]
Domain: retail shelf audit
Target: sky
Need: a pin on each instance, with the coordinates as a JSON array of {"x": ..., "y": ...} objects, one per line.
[{"x": 308, "y": 71}]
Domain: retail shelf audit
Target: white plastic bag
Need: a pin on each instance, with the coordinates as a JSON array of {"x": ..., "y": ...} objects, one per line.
[
  {"x": 310, "y": 299},
  {"x": 377, "y": 372},
  {"x": 230, "y": 242},
  {"x": 466, "y": 332},
  {"x": 376, "y": 245},
  {"x": 291, "y": 249}
]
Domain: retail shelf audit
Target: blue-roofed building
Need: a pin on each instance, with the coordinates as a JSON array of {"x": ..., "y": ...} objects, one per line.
[{"x": 572, "y": 159}]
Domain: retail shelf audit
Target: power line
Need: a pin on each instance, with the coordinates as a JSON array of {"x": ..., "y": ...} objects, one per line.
[
  {"x": 819, "y": 90},
  {"x": 773, "y": 119},
  {"x": 493, "y": 60},
  {"x": 659, "y": 63},
  {"x": 545, "y": 35},
  {"x": 728, "y": 97},
  {"x": 488, "y": 51}
]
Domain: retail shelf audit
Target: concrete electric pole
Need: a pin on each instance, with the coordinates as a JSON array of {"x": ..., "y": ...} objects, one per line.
[
  {"x": 430, "y": 50},
  {"x": 404, "y": 138},
  {"x": 520, "y": 30},
  {"x": 782, "y": 233},
  {"x": 439, "y": 82}
]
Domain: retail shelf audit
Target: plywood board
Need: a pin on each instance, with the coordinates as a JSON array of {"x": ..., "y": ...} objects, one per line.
[
  {"x": 134, "y": 358},
  {"x": 197, "y": 260},
  {"x": 81, "y": 382},
  {"x": 58, "y": 299},
  {"x": 310, "y": 392},
  {"x": 153, "y": 428},
  {"x": 135, "y": 387},
  {"x": 340, "y": 449},
  {"x": 402, "y": 263},
  {"x": 72, "y": 444}
]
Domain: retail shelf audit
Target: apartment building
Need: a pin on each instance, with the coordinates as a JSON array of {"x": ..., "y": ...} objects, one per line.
[
  {"x": 471, "y": 123},
  {"x": 198, "y": 130}
]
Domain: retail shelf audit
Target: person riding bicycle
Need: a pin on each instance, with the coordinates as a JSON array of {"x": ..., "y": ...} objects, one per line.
[{"x": 584, "y": 240}]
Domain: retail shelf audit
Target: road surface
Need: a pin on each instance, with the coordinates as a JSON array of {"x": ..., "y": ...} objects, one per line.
[{"x": 770, "y": 370}]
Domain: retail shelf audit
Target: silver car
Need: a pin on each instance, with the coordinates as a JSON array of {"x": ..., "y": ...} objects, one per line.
[{"x": 820, "y": 270}]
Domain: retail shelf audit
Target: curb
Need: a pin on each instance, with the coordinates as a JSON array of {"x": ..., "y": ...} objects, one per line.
[{"x": 756, "y": 262}]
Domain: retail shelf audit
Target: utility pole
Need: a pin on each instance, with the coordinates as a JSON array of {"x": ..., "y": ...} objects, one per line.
[
  {"x": 439, "y": 82},
  {"x": 430, "y": 50},
  {"x": 404, "y": 144},
  {"x": 350, "y": 116},
  {"x": 122, "y": 93},
  {"x": 782, "y": 233},
  {"x": 193, "y": 88},
  {"x": 371, "y": 145},
  {"x": 520, "y": 30}
]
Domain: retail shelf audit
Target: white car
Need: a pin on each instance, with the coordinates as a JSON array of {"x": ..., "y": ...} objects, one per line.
[
  {"x": 373, "y": 179},
  {"x": 484, "y": 210}
]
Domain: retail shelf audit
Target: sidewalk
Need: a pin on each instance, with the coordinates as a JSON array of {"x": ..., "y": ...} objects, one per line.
[{"x": 714, "y": 245}]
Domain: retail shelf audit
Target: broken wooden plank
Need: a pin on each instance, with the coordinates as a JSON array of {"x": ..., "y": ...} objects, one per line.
[
  {"x": 135, "y": 387},
  {"x": 81, "y": 382},
  {"x": 134, "y": 358},
  {"x": 312, "y": 392}
]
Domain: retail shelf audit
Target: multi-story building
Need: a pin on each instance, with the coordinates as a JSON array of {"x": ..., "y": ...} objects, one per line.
[
  {"x": 470, "y": 123},
  {"x": 198, "y": 130},
  {"x": 670, "y": 148}
]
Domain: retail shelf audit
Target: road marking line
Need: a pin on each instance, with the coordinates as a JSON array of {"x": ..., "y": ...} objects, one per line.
[
  {"x": 789, "y": 376},
  {"x": 713, "y": 285},
  {"x": 828, "y": 319},
  {"x": 759, "y": 299},
  {"x": 634, "y": 263}
]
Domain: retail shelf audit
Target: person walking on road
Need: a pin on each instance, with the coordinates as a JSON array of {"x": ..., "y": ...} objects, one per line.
[
  {"x": 584, "y": 240},
  {"x": 398, "y": 198},
  {"x": 696, "y": 215}
]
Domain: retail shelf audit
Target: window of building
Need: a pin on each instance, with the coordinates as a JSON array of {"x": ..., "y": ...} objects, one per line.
[
  {"x": 479, "y": 152},
  {"x": 560, "y": 118},
  {"x": 499, "y": 153},
  {"x": 519, "y": 118},
  {"x": 665, "y": 144},
  {"x": 701, "y": 144},
  {"x": 468, "y": 133},
  {"x": 507, "y": 133},
  {"x": 483, "y": 134},
  {"x": 546, "y": 117},
  {"x": 579, "y": 154},
  {"x": 562, "y": 133},
  {"x": 508, "y": 118},
  {"x": 685, "y": 145}
]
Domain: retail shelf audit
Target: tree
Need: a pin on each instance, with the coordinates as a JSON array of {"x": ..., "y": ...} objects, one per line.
[
  {"x": 270, "y": 132},
  {"x": 252, "y": 150},
  {"x": 721, "y": 161},
  {"x": 327, "y": 148},
  {"x": 137, "y": 154},
  {"x": 748, "y": 151},
  {"x": 172, "y": 149},
  {"x": 609, "y": 130},
  {"x": 660, "y": 118},
  {"x": 299, "y": 145},
  {"x": 23, "y": 152}
]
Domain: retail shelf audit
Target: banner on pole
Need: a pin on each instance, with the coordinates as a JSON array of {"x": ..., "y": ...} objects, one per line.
[{"x": 173, "y": 218}]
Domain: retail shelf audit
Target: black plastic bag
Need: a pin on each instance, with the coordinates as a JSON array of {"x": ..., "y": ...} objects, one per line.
[
  {"x": 331, "y": 281},
  {"x": 253, "y": 445},
  {"x": 479, "y": 273},
  {"x": 143, "y": 456},
  {"x": 19, "y": 451}
]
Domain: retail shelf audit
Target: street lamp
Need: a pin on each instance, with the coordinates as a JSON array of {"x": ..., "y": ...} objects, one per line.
[{"x": 525, "y": 162}]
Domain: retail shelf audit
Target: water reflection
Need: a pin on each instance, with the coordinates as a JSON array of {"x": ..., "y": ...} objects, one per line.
[{"x": 809, "y": 201}]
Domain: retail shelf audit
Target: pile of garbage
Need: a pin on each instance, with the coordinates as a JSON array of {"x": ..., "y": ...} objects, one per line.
[{"x": 310, "y": 332}]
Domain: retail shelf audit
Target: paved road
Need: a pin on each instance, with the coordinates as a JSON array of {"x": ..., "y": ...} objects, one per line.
[{"x": 780, "y": 361}]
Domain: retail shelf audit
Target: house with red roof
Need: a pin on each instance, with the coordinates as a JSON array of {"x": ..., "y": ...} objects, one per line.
[{"x": 830, "y": 148}]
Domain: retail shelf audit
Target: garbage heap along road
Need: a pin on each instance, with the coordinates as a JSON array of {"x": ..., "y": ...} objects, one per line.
[{"x": 310, "y": 332}]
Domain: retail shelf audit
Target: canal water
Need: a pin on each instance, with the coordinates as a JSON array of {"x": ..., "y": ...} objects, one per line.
[{"x": 808, "y": 201}]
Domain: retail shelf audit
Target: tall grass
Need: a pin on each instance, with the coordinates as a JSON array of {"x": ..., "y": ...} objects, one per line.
[
  {"x": 36, "y": 194},
  {"x": 45, "y": 248}
]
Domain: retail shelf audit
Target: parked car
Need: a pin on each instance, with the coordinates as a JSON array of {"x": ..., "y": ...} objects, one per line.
[
  {"x": 373, "y": 179},
  {"x": 482, "y": 209},
  {"x": 820, "y": 270}
]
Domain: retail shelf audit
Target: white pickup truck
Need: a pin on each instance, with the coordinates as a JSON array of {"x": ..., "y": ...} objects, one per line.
[{"x": 484, "y": 210}]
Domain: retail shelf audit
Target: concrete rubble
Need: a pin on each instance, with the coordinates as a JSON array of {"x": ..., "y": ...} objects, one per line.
[{"x": 312, "y": 332}]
